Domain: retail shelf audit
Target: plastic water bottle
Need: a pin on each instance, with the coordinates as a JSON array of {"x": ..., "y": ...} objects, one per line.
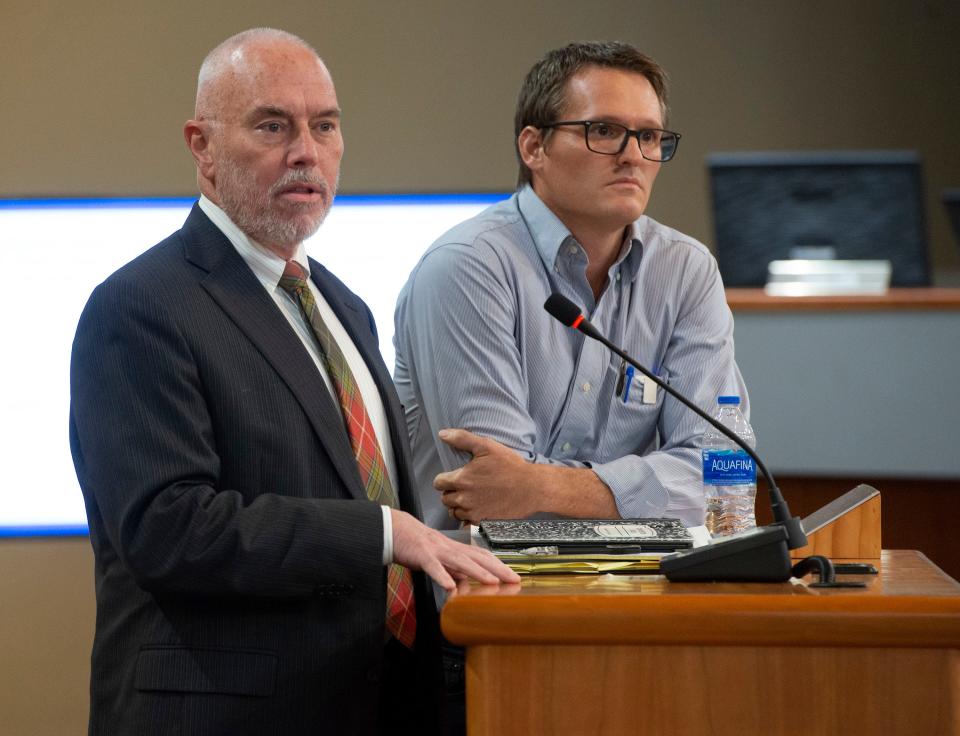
[{"x": 729, "y": 473}]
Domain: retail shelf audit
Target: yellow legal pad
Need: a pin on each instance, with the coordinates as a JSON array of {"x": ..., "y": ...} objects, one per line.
[{"x": 545, "y": 564}]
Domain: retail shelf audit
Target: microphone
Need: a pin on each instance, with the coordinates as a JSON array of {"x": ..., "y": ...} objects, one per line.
[{"x": 757, "y": 555}]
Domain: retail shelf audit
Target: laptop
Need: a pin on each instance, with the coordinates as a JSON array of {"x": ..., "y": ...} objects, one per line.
[{"x": 587, "y": 536}]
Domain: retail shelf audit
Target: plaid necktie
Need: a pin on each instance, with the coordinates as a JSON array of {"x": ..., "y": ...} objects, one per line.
[{"x": 401, "y": 616}]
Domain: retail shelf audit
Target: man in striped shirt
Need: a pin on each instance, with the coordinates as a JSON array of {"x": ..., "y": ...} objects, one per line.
[{"x": 549, "y": 422}]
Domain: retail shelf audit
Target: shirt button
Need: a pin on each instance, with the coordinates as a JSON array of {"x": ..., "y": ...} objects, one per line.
[
  {"x": 618, "y": 275},
  {"x": 566, "y": 447},
  {"x": 586, "y": 386},
  {"x": 572, "y": 250}
]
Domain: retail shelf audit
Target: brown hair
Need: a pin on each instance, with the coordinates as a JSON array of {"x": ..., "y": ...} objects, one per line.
[{"x": 542, "y": 94}]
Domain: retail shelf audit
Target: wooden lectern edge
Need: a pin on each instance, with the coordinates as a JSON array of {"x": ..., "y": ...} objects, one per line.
[{"x": 854, "y": 535}]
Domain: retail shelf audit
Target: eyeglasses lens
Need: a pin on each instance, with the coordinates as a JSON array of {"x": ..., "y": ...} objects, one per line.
[{"x": 656, "y": 145}]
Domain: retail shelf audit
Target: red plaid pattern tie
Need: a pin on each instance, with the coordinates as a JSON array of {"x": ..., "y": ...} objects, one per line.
[{"x": 401, "y": 615}]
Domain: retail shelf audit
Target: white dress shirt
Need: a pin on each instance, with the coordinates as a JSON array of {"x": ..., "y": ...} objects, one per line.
[{"x": 268, "y": 268}]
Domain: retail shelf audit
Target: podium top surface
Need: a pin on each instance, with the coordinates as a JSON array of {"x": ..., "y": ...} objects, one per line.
[
  {"x": 910, "y": 603},
  {"x": 896, "y": 300}
]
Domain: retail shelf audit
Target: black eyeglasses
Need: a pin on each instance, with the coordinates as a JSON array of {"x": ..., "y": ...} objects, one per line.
[{"x": 611, "y": 138}]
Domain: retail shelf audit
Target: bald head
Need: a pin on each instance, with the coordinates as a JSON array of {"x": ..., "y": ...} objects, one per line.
[
  {"x": 266, "y": 136},
  {"x": 238, "y": 58}
]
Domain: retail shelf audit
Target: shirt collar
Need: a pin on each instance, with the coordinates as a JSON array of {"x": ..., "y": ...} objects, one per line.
[
  {"x": 549, "y": 234},
  {"x": 266, "y": 265}
]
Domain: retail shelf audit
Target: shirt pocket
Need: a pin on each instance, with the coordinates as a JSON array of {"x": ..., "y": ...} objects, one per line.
[{"x": 632, "y": 424}]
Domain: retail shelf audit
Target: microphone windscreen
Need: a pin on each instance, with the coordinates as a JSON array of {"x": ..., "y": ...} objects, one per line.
[{"x": 562, "y": 309}]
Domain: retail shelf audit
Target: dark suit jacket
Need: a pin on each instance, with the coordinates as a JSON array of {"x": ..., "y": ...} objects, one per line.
[{"x": 239, "y": 581}]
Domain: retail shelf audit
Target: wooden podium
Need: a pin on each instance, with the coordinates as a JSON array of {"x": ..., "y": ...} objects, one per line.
[{"x": 616, "y": 654}]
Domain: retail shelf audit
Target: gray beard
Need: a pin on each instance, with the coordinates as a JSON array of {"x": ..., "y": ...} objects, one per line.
[{"x": 252, "y": 212}]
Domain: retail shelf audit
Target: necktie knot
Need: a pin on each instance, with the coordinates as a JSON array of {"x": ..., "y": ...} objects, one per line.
[{"x": 294, "y": 279}]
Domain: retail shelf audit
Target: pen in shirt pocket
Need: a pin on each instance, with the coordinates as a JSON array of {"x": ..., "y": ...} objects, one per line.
[
  {"x": 628, "y": 382},
  {"x": 625, "y": 382}
]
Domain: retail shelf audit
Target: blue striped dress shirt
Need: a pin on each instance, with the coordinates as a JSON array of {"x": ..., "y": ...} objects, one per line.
[{"x": 475, "y": 349}]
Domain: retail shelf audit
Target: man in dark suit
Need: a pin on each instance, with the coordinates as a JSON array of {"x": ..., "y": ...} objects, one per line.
[{"x": 242, "y": 453}]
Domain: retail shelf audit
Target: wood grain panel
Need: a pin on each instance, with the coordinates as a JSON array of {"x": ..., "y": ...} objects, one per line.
[
  {"x": 855, "y": 535},
  {"x": 614, "y": 690}
]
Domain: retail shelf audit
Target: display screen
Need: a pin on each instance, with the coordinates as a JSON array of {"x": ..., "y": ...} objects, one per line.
[
  {"x": 58, "y": 250},
  {"x": 951, "y": 200},
  {"x": 839, "y": 205}
]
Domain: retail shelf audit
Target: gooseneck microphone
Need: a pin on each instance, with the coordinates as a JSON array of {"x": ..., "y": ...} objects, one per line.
[{"x": 757, "y": 555}]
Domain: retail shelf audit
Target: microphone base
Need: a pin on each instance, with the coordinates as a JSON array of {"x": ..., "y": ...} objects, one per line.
[{"x": 756, "y": 556}]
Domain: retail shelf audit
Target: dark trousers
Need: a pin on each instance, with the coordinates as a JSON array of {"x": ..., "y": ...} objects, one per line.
[
  {"x": 404, "y": 706},
  {"x": 454, "y": 691}
]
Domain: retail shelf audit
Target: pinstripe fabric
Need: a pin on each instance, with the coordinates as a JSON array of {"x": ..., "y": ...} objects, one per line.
[
  {"x": 268, "y": 268},
  {"x": 475, "y": 349},
  {"x": 239, "y": 569},
  {"x": 400, "y": 617}
]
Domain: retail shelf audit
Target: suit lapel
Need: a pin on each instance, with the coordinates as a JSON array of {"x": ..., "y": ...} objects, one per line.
[
  {"x": 356, "y": 321},
  {"x": 235, "y": 288}
]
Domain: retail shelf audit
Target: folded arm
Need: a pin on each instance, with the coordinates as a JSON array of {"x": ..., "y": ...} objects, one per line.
[{"x": 459, "y": 333}]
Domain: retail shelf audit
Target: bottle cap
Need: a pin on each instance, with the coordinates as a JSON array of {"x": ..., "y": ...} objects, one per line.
[{"x": 723, "y": 400}]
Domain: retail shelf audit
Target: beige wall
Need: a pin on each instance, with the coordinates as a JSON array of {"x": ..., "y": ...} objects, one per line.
[
  {"x": 94, "y": 95},
  {"x": 46, "y": 629}
]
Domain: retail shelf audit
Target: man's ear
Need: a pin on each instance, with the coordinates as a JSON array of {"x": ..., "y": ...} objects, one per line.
[
  {"x": 531, "y": 145},
  {"x": 197, "y": 135}
]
